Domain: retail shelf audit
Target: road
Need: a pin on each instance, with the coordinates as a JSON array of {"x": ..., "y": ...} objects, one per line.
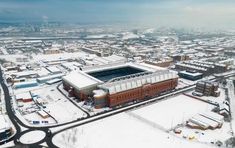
[
  {"x": 62, "y": 127},
  {"x": 15, "y": 121},
  {"x": 232, "y": 102}
]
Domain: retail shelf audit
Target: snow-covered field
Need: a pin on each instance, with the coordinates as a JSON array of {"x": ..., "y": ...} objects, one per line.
[
  {"x": 144, "y": 127},
  {"x": 118, "y": 131},
  {"x": 173, "y": 111}
]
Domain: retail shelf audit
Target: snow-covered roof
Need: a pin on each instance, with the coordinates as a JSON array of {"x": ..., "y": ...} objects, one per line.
[
  {"x": 25, "y": 73},
  {"x": 212, "y": 115},
  {"x": 191, "y": 73},
  {"x": 71, "y": 65},
  {"x": 53, "y": 69},
  {"x": 127, "y": 84},
  {"x": 42, "y": 113},
  {"x": 43, "y": 72},
  {"x": 208, "y": 121},
  {"x": 191, "y": 66},
  {"x": 25, "y": 83},
  {"x": 23, "y": 96},
  {"x": 142, "y": 66},
  {"x": 49, "y": 77},
  {"x": 80, "y": 80},
  {"x": 99, "y": 92}
]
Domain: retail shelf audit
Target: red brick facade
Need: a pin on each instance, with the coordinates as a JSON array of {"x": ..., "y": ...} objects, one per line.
[
  {"x": 74, "y": 93},
  {"x": 140, "y": 93}
]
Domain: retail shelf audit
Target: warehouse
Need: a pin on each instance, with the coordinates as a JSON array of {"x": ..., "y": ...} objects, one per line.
[
  {"x": 25, "y": 84},
  {"x": 190, "y": 75},
  {"x": 71, "y": 65},
  {"x": 214, "y": 116},
  {"x": 24, "y": 97},
  {"x": 204, "y": 121},
  {"x": 50, "y": 77},
  {"x": 25, "y": 74},
  {"x": 53, "y": 69}
]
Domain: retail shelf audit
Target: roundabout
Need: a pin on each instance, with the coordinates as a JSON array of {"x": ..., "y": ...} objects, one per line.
[{"x": 32, "y": 137}]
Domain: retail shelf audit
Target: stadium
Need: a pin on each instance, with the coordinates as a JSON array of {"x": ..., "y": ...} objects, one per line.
[{"x": 113, "y": 85}]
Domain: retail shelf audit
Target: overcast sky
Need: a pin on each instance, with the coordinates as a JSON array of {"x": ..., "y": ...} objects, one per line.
[{"x": 179, "y": 13}]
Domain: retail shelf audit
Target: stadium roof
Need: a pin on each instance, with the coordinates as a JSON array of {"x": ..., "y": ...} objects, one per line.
[
  {"x": 80, "y": 80},
  {"x": 127, "y": 84}
]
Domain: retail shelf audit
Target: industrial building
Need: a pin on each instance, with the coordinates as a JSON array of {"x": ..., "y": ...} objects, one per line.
[
  {"x": 24, "y": 97},
  {"x": 71, "y": 65},
  {"x": 53, "y": 69},
  {"x": 229, "y": 52},
  {"x": 25, "y": 84},
  {"x": 50, "y": 77},
  {"x": 25, "y": 74},
  {"x": 115, "y": 86},
  {"x": 52, "y": 51},
  {"x": 163, "y": 63},
  {"x": 180, "y": 57},
  {"x": 207, "y": 88},
  {"x": 221, "y": 60},
  {"x": 190, "y": 75},
  {"x": 204, "y": 121}
]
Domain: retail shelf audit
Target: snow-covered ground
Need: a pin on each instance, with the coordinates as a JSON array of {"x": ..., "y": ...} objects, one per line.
[
  {"x": 58, "y": 105},
  {"x": 175, "y": 110},
  {"x": 118, "y": 131},
  {"x": 207, "y": 136},
  {"x": 8, "y": 144},
  {"x": 36, "y": 117},
  {"x": 32, "y": 137},
  {"x": 219, "y": 99},
  {"x": 90, "y": 109},
  {"x": 231, "y": 94},
  {"x": 60, "y": 109}
]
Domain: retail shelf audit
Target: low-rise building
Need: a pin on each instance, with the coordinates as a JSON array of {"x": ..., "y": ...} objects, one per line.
[
  {"x": 207, "y": 88},
  {"x": 190, "y": 75}
]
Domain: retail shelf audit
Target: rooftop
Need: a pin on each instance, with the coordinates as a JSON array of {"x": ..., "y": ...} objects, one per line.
[
  {"x": 138, "y": 81},
  {"x": 80, "y": 80}
]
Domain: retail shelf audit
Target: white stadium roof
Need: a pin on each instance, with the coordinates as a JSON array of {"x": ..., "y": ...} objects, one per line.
[
  {"x": 80, "y": 80},
  {"x": 127, "y": 84}
]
